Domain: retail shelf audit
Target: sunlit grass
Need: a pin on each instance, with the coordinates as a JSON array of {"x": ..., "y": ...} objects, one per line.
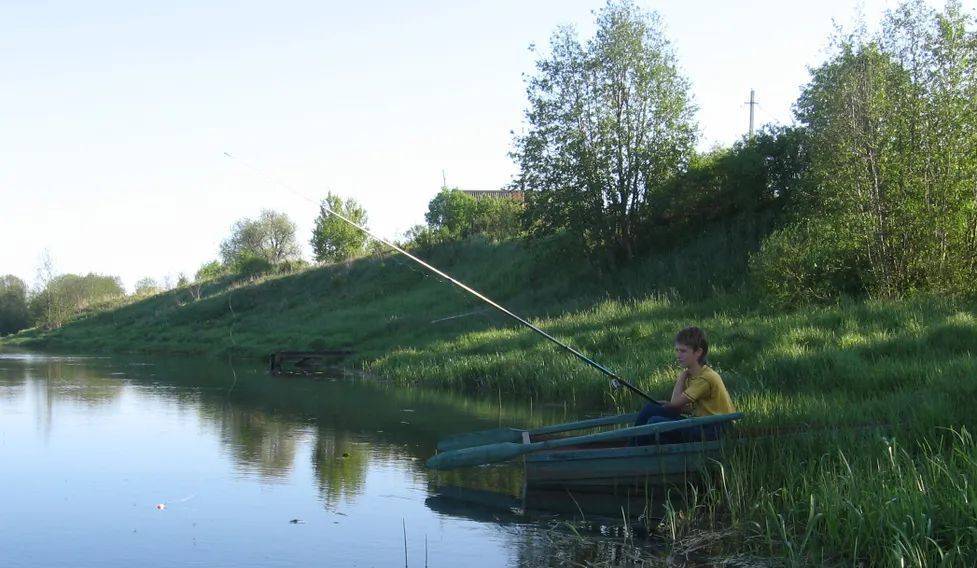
[{"x": 867, "y": 407}]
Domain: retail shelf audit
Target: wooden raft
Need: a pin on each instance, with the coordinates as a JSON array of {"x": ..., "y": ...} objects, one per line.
[{"x": 305, "y": 362}]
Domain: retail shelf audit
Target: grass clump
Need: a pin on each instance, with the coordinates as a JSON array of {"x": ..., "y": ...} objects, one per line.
[{"x": 824, "y": 385}]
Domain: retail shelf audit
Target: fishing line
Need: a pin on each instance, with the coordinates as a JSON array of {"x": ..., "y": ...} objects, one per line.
[{"x": 615, "y": 379}]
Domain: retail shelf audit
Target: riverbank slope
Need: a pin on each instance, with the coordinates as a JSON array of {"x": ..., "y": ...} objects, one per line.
[{"x": 906, "y": 367}]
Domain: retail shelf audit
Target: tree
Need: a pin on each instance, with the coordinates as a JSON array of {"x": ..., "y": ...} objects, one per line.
[
  {"x": 209, "y": 271},
  {"x": 894, "y": 132},
  {"x": 270, "y": 237},
  {"x": 333, "y": 239},
  {"x": 46, "y": 307},
  {"x": 765, "y": 172},
  {"x": 891, "y": 207},
  {"x": 66, "y": 295},
  {"x": 452, "y": 213},
  {"x": 498, "y": 218},
  {"x": 147, "y": 287},
  {"x": 14, "y": 315},
  {"x": 609, "y": 123}
]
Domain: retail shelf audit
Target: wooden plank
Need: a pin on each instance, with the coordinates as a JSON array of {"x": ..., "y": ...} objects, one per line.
[
  {"x": 492, "y": 453},
  {"x": 499, "y": 435},
  {"x": 614, "y": 466}
]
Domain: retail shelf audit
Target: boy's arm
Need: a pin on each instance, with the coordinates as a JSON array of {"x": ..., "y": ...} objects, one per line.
[
  {"x": 679, "y": 400},
  {"x": 678, "y": 403}
]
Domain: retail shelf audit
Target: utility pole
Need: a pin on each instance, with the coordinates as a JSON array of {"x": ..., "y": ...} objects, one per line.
[
  {"x": 752, "y": 103},
  {"x": 444, "y": 179}
]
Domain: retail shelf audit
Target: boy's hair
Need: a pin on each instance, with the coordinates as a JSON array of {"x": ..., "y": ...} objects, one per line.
[{"x": 694, "y": 338}]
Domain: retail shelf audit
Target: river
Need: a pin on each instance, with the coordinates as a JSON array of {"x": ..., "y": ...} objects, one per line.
[{"x": 181, "y": 461}]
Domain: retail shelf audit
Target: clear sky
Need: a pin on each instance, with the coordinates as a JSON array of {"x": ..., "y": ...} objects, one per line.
[{"x": 115, "y": 115}]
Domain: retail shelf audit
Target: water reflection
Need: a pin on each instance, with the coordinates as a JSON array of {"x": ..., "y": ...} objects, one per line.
[
  {"x": 260, "y": 443},
  {"x": 340, "y": 465},
  {"x": 354, "y": 444}
]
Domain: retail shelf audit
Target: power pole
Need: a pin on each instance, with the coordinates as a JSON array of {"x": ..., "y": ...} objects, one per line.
[
  {"x": 444, "y": 180},
  {"x": 752, "y": 103}
]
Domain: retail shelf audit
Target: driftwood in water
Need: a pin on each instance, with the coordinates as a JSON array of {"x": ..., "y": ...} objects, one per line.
[{"x": 305, "y": 362}]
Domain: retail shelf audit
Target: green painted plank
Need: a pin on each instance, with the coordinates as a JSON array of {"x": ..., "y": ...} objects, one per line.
[
  {"x": 491, "y": 453},
  {"x": 514, "y": 435}
]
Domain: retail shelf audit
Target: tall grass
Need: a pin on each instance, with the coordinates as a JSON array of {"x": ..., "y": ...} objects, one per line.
[
  {"x": 903, "y": 368},
  {"x": 871, "y": 499}
]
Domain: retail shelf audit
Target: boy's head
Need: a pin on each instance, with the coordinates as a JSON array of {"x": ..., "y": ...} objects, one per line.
[{"x": 695, "y": 339}]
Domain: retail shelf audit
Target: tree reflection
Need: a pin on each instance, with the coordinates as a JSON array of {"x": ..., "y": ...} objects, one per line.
[
  {"x": 51, "y": 381},
  {"x": 257, "y": 441},
  {"x": 340, "y": 465}
]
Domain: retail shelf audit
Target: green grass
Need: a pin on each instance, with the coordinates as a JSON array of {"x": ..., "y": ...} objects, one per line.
[{"x": 837, "y": 495}]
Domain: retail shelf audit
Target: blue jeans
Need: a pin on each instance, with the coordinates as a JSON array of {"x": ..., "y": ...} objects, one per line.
[{"x": 653, "y": 413}]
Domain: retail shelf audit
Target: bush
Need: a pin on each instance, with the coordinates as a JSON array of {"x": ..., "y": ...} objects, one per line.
[
  {"x": 251, "y": 266},
  {"x": 209, "y": 271},
  {"x": 809, "y": 262},
  {"x": 421, "y": 237},
  {"x": 291, "y": 266}
]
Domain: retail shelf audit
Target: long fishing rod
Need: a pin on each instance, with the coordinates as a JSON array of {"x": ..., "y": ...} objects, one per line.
[{"x": 489, "y": 301}]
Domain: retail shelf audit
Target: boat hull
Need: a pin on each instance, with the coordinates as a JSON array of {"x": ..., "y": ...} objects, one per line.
[{"x": 638, "y": 466}]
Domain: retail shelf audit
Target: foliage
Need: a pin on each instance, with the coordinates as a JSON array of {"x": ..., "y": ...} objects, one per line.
[
  {"x": 292, "y": 266},
  {"x": 454, "y": 215},
  {"x": 147, "y": 287},
  {"x": 66, "y": 295},
  {"x": 498, "y": 218},
  {"x": 765, "y": 172},
  {"x": 209, "y": 271},
  {"x": 271, "y": 236},
  {"x": 814, "y": 495},
  {"x": 451, "y": 213},
  {"x": 14, "y": 315},
  {"x": 808, "y": 262},
  {"x": 894, "y": 159},
  {"x": 250, "y": 265},
  {"x": 335, "y": 240},
  {"x": 609, "y": 124},
  {"x": 420, "y": 236}
]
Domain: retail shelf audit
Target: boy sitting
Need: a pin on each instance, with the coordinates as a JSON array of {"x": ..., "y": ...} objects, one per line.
[{"x": 698, "y": 391}]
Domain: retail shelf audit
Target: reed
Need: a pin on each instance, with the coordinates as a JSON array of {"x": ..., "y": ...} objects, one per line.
[{"x": 908, "y": 366}]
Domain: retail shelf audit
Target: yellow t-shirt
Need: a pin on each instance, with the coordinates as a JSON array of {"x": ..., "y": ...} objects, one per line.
[{"x": 708, "y": 394}]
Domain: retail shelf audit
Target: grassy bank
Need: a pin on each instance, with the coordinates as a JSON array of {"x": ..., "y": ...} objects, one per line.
[{"x": 905, "y": 497}]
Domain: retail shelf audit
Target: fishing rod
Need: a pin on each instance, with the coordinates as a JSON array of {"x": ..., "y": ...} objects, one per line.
[{"x": 616, "y": 379}]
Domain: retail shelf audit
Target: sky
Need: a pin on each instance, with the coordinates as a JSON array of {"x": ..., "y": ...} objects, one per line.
[{"x": 117, "y": 117}]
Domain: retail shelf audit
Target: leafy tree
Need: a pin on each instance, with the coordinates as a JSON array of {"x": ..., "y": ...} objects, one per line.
[
  {"x": 610, "y": 123},
  {"x": 333, "y": 239},
  {"x": 765, "y": 172},
  {"x": 209, "y": 271},
  {"x": 66, "y": 295},
  {"x": 451, "y": 213},
  {"x": 893, "y": 146},
  {"x": 498, "y": 218},
  {"x": 46, "y": 307},
  {"x": 14, "y": 315},
  {"x": 147, "y": 287},
  {"x": 454, "y": 214},
  {"x": 420, "y": 236},
  {"x": 271, "y": 236},
  {"x": 250, "y": 265}
]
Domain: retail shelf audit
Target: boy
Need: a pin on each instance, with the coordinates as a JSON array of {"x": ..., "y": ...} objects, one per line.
[{"x": 698, "y": 391}]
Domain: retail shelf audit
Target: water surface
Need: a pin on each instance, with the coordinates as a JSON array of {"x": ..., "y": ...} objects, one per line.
[{"x": 176, "y": 461}]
